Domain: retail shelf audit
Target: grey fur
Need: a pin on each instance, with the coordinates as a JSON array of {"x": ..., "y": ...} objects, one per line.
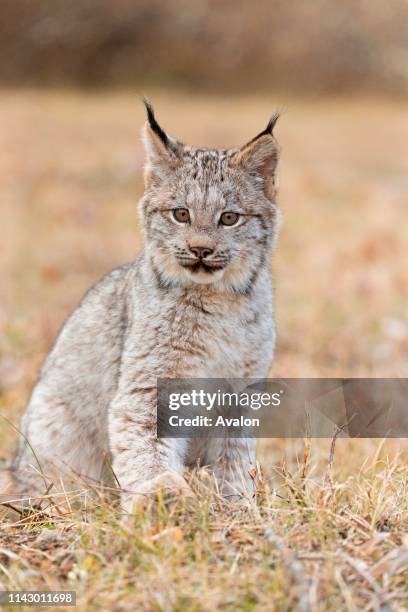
[{"x": 165, "y": 315}]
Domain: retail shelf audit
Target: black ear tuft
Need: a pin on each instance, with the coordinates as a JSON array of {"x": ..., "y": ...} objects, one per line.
[
  {"x": 271, "y": 123},
  {"x": 154, "y": 125},
  {"x": 268, "y": 131}
]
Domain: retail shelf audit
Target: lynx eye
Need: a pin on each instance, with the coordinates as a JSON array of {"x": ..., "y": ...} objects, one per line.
[
  {"x": 229, "y": 218},
  {"x": 181, "y": 215}
]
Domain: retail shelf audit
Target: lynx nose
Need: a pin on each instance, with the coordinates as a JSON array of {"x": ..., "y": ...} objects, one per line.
[{"x": 201, "y": 252}]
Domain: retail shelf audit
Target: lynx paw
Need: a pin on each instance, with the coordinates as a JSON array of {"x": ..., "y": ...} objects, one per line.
[{"x": 165, "y": 488}]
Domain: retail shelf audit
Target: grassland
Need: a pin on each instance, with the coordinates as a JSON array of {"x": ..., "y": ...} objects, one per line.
[{"x": 328, "y": 528}]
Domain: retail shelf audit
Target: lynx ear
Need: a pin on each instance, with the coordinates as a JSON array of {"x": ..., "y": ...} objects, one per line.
[
  {"x": 162, "y": 151},
  {"x": 260, "y": 156}
]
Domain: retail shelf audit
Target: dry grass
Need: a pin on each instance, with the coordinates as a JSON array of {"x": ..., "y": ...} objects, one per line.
[{"x": 327, "y": 529}]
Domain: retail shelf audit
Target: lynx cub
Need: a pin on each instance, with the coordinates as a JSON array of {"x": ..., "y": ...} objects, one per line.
[{"x": 196, "y": 303}]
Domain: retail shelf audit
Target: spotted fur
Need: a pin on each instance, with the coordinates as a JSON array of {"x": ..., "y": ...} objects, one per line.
[{"x": 168, "y": 314}]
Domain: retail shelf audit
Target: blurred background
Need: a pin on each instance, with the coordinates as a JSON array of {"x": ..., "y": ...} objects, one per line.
[
  {"x": 308, "y": 47},
  {"x": 71, "y": 78}
]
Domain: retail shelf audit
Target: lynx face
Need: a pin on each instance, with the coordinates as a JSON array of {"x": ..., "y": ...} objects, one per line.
[{"x": 209, "y": 215}]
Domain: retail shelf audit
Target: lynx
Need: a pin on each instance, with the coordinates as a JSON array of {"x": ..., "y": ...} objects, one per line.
[{"x": 196, "y": 303}]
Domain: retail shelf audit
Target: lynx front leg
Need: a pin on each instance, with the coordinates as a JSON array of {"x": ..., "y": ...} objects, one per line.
[
  {"x": 143, "y": 463},
  {"x": 231, "y": 460}
]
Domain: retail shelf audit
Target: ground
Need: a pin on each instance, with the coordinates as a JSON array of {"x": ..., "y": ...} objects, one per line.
[{"x": 328, "y": 527}]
